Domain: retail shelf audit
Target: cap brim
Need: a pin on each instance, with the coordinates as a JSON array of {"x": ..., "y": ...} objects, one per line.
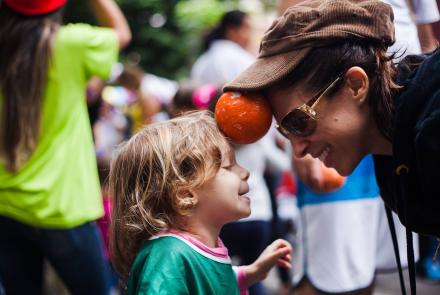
[{"x": 266, "y": 71}]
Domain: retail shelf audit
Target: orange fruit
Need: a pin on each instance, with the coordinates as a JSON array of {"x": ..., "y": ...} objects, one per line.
[
  {"x": 331, "y": 180},
  {"x": 243, "y": 118}
]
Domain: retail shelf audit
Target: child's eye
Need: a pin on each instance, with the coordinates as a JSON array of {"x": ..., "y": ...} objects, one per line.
[{"x": 228, "y": 166}]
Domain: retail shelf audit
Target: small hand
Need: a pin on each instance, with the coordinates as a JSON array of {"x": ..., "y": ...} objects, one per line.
[
  {"x": 309, "y": 171},
  {"x": 276, "y": 253}
]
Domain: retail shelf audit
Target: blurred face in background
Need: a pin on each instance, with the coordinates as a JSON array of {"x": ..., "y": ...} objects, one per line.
[{"x": 240, "y": 34}]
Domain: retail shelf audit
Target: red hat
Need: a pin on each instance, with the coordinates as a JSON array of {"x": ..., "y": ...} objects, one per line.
[{"x": 34, "y": 7}]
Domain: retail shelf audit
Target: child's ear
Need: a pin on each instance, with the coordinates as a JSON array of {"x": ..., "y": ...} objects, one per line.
[{"x": 186, "y": 201}]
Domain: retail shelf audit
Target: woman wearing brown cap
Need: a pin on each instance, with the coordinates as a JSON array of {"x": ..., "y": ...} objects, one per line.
[{"x": 338, "y": 96}]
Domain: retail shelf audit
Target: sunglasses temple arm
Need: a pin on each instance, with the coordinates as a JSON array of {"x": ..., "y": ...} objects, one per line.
[
  {"x": 317, "y": 101},
  {"x": 324, "y": 92}
]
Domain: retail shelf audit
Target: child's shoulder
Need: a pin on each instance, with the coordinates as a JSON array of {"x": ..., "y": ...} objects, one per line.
[
  {"x": 168, "y": 264},
  {"x": 165, "y": 243},
  {"x": 158, "y": 258},
  {"x": 164, "y": 247},
  {"x": 177, "y": 248}
]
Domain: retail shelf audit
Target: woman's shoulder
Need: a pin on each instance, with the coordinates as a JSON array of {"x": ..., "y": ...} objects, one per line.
[
  {"x": 418, "y": 76},
  {"x": 420, "y": 66},
  {"x": 230, "y": 50},
  {"x": 91, "y": 50},
  {"x": 83, "y": 33},
  {"x": 81, "y": 28}
]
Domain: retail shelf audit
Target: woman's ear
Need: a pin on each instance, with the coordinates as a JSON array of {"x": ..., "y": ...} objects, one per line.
[{"x": 358, "y": 83}]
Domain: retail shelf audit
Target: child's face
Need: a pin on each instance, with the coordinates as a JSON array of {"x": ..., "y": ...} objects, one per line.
[{"x": 222, "y": 199}]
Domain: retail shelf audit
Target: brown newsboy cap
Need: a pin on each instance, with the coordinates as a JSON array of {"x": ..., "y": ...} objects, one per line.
[{"x": 311, "y": 24}]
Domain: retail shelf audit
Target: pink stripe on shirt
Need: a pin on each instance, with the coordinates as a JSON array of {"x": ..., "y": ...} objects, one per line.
[{"x": 220, "y": 251}]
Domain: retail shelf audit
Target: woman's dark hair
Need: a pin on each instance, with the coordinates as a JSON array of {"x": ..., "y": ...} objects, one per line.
[
  {"x": 233, "y": 18},
  {"x": 324, "y": 64},
  {"x": 25, "y": 53}
]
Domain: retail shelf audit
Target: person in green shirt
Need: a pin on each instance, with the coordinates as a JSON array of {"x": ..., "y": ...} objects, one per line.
[
  {"x": 175, "y": 184},
  {"x": 49, "y": 187}
]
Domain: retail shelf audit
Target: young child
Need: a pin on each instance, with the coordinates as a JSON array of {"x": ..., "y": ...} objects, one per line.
[{"x": 175, "y": 184}]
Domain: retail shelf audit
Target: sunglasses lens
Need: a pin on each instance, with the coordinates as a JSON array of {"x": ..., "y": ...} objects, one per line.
[
  {"x": 299, "y": 123},
  {"x": 283, "y": 131}
]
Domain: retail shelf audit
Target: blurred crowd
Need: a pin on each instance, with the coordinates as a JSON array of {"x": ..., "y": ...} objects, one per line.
[
  {"x": 340, "y": 239},
  {"x": 281, "y": 205}
]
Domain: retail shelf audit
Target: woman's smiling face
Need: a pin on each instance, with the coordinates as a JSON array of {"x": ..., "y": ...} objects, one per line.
[{"x": 341, "y": 137}]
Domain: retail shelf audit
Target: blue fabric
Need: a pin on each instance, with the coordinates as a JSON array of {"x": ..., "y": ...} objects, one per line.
[
  {"x": 361, "y": 184},
  {"x": 76, "y": 255}
]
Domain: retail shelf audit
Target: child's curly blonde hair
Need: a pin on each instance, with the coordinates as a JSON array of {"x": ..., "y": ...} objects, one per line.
[{"x": 160, "y": 162}]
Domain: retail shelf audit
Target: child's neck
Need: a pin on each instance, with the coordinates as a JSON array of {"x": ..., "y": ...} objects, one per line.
[{"x": 208, "y": 235}]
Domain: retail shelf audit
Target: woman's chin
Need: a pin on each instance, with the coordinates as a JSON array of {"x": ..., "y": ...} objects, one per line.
[{"x": 344, "y": 169}]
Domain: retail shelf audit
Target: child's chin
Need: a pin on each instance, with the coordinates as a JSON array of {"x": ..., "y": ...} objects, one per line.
[
  {"x": 242, "y": 214},
  {"x": 246, "y": 213}
]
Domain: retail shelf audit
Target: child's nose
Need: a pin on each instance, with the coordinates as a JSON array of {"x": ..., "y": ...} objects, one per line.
[{"x": 244, "y": 174}]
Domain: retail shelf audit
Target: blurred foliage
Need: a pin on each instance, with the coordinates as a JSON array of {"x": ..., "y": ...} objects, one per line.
[
  {"x": 166, "y": 34},
  {"x": 269, "y": 5}
]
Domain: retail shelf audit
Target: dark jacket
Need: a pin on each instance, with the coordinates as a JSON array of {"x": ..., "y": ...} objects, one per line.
[{"x": 409, "y": 180}]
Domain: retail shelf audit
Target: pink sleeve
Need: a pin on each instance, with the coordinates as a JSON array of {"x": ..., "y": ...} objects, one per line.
[{"x": 241, "y": 279}]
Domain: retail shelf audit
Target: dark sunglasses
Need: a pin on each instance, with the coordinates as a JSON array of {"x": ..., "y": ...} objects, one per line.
[{"x": 301, "y": 121}]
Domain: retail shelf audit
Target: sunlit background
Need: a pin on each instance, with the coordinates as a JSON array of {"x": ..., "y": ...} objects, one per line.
[{"x": 167, "y": 34}]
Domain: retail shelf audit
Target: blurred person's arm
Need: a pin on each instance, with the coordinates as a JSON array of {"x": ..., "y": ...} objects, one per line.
[
  {"x": 110, "y": 15},
  {"x": 426, "y": 12},
  {"x": 150, "y": 107},
  {"x": 94, "y": 89},
  {"x": 308, "y": 170},
  {"x": 428, "y": 42}
]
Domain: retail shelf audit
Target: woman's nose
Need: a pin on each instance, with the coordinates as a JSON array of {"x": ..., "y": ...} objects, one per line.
[{"x": 299, "y": 146}]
